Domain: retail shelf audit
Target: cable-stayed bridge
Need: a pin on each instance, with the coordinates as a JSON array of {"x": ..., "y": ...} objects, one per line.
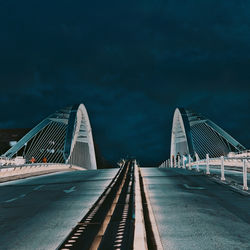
[
  {"x": 63, "y": 137},
  {"x": 197, "y": 199},
  {"x": 197, "y": 142}
]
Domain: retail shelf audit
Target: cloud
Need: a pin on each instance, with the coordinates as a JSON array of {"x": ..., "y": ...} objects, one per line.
[{"x": 130, "y": 63}]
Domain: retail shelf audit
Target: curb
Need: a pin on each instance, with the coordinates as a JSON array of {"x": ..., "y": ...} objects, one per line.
[{"x": 140, "y": 238}]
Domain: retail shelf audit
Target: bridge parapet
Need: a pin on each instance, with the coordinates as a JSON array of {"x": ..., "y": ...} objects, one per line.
[
  {"x": 35, "y": 169},
  {"x": 218, "y": 165}
]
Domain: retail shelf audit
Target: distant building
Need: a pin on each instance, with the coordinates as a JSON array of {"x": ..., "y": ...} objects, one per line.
[{"x": 9, "y": 137}]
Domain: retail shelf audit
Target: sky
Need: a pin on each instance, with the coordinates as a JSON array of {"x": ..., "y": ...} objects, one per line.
[{"x": 131, "y": 63}]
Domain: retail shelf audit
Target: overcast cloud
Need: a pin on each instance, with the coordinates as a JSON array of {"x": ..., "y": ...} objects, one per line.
[{"x": 130, "y": 63}]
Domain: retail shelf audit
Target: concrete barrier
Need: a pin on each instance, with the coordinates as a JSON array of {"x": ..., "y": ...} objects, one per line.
[{"x": 28, "y": 170}]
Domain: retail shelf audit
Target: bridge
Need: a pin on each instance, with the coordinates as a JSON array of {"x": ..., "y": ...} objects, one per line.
[
  {"x": 63, "y": 137},
  {"x": 197, "y": 142},
  {"x": 196, "y": 135},
  {"x": 198, "y": 198}
]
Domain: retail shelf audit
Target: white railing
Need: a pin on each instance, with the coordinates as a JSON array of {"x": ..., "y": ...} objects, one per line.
[
  {"x": 245, "y": 153},
  {"x": 32, "y": 165},
  {"x": 239, "y": 164},
  {"x": 6, "y": 171}
]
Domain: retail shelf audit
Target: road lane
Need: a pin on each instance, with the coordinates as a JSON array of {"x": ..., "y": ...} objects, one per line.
[
  {"x": 193, "y": 212},
  {"x": 37, "y": 213}
]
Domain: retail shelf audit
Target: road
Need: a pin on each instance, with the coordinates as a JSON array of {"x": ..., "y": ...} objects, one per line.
[
  {"x": 39, "y": 212},
  {"x": 193, "y": 212}
]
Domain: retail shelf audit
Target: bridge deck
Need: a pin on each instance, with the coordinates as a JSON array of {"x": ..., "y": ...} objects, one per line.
[
  {"x": 39, "y": 212},
  {"x": 193, "y": 212}
]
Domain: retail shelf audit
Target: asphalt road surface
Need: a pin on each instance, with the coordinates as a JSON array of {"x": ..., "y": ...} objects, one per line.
[
  {"x": 193, "y": 212},
  {"x": 39, "y": 212}
]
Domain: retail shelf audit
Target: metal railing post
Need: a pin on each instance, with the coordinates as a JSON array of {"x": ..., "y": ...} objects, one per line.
[
  {"x": 222, "y": 169},
  {"x": 183, "y": 162},
  {"x": 197, "y": 162},
  {"x": 207, "y": 164},
  {"x": 245, "y": 187},
  {"x": 189, "y": 162},
  {"x": 179, "y": 162}
]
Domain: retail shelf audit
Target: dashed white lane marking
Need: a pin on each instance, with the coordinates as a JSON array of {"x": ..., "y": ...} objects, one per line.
[
  {"x": 38, "y": 187},
  {"x": 16, "y": 198},
  {"x": 72, "y": 189},
  {"x": 11, "y": 200},
  {"x": 189, "y": 187},
  {"x": 23, "y": 195}
]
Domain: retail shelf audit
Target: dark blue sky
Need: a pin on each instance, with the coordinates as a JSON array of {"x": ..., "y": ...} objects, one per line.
[{"x": 131, "y": 63}]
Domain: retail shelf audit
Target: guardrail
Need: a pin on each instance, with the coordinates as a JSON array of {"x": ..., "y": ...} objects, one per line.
[{"x": 236, "y": 164}]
